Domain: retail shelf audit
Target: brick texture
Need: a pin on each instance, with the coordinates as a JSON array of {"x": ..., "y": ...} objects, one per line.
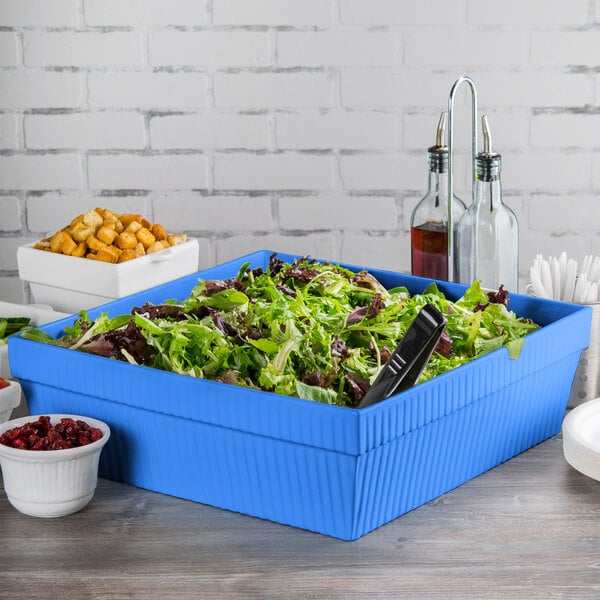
[
  {"x": 293, "y": 126},
  {"x": 144, "y": 13}
]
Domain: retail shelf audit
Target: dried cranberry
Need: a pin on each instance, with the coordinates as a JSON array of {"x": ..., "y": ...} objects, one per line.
[{"x": 42, "y": 435}]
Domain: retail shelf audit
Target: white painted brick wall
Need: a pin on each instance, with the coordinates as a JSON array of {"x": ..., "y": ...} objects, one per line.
[
  {"x": 46, "y": 213},
  {"x": 22, "y": 89},
  {"x": 358, "y": 130},
  {"x": 338, "y": 213},
  {"x": 379, "y": 87},
  {"x": 323, "y": 245},
  {"x": 538, "y": 88},
  {"x": 434, "y": 13},
  {"x": 214, "y": 214},
  {"x": 39, "y": 13},
  {"x": 532, "y": 12},
  {"x": 41, "y": 171},
  {"x": 565, "y": 47},
  {"x": 135, "y": 172},
  {"x": 383, "y": 171},
  {"x": 251, "y": 90},
  {"x": 277, "y": 13},
  {"x": 10, "y": 210},
  {"x": 60, "y": 49},
  {"x": 456, "y": 48},
  {"x": 144, "y": 13},
  {"x": 550, "y": 171},
  {"x": 147, "y": 90},
  {"x": 208, "y": 130},
  {"x": 567, "y": 130},
  {"x": 9, "y": 132},
  {"x": 560, "y": 212},
  {"x": 93, "y": 131},
  {"x": 292, "y": 125},
  {"x": 225, "y": 49},
  {"x": 286, "y": 171},
  {"x": 337, "y": 48},
  {"x": 9, "y": 49}
]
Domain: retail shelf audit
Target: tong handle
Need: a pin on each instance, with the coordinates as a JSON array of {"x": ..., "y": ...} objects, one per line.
[{"x": 405, "y": 365}]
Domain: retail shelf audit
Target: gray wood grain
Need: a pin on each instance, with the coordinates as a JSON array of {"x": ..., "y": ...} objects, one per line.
[{"x": 530, "y": 528}]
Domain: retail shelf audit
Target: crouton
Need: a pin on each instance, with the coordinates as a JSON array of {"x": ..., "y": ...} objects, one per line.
[
  {"x": 57, "y": 240},
  {"x": 127, "y": 240},
  {"x": 126, "y": 219},
  {"x": 159, "y": 232},
  {"x": 177, "y": 238},
  {"x": 107, "y": 254},
  {"x": 93, "y": 219},
  {"x": 144, "y": 236},
  {"x": 94, "y": 244},
  {"x": 79, "y": 250},
  {"x": 68, "y": 245},
  {"x": 77, "y": 219},
  {"x": 127, "y": 254},
  {"x": 106, "y": 235},
  {"x": 80, "y": 232},
  {"x": 133, "y": 227},
  {"x": 157, "y": 247}
]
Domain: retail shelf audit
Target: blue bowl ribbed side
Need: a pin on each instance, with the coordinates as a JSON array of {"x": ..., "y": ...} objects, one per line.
[
  {"x": 320, "y": 490},
  {"x": 294, "y": 484},
  {"x": 433, "y": 459}
]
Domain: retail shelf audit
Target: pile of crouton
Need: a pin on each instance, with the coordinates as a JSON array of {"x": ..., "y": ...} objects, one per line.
[{"x": 103, "y": 235}]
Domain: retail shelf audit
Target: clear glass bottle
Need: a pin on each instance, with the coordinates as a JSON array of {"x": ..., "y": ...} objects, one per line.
[
  {"x": 429, "y": 219},
  {"x": 488, "y": 233}
]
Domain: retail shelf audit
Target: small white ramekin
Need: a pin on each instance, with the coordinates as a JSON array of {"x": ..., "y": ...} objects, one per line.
[
  {"x": 51, "y": 483},
  {"x": 10, "y": 397}
]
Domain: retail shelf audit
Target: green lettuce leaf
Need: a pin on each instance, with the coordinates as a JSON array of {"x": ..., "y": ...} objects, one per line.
[{"x": 305, "y": 329}]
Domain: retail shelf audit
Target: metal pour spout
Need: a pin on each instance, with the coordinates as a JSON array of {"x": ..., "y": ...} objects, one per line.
[
  {"x": 487, "y": 135},
  {"x": 439, "y": 138},
  {"x": 488, "y": 163}
]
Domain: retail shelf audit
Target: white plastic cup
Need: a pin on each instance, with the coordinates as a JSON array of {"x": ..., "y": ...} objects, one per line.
[{"x": 586, "y": 385}]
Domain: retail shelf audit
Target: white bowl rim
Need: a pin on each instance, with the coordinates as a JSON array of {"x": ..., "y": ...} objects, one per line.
[
  {"x": 10, "y": 395},
  {"x": 64, "y": 453},
  {"x": 12, "y": 383}
]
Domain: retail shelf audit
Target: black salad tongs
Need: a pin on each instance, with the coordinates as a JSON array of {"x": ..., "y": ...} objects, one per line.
[{"x": 405, "y": 365}]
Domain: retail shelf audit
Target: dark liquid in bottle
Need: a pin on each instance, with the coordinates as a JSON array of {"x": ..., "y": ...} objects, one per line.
[{"x": 429, "y": 251}]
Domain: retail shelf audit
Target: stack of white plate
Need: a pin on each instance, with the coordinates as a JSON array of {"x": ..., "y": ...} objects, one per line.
[{"x": 581, "y": 438}]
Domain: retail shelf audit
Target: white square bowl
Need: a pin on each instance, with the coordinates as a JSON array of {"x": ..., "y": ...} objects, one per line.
[
  {"x": 39, "y": 315},
  {"x": 72, "y": 284}
]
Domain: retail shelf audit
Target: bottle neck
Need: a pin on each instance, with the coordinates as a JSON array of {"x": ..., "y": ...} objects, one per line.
[
  {"x": 438, "y": 186},
  {"x": 488, "y": 188},
  {"x": 488, "y": 194}
]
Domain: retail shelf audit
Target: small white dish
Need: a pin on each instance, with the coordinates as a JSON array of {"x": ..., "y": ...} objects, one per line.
[
  {"x": 10, "y": 397},
  {"x": 70, "y": 284},
  {"x": 581, "y": 438},
  {"x": 51, "y": 483},
  {"x": 40, "y": 314}
]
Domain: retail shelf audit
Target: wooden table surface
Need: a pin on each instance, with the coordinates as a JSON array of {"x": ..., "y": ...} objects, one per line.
[{"x": 529, "y": 528}]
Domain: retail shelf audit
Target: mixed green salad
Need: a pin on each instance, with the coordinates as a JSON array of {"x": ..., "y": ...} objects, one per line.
[
  {"x": 307, "y": 329},
  {"x": 10, "y": 325}
]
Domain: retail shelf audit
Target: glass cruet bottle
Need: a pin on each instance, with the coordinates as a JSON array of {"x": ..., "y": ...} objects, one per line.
[
  {"x": 488, "y": 233},
  {"x": 429, "y": 219}
]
